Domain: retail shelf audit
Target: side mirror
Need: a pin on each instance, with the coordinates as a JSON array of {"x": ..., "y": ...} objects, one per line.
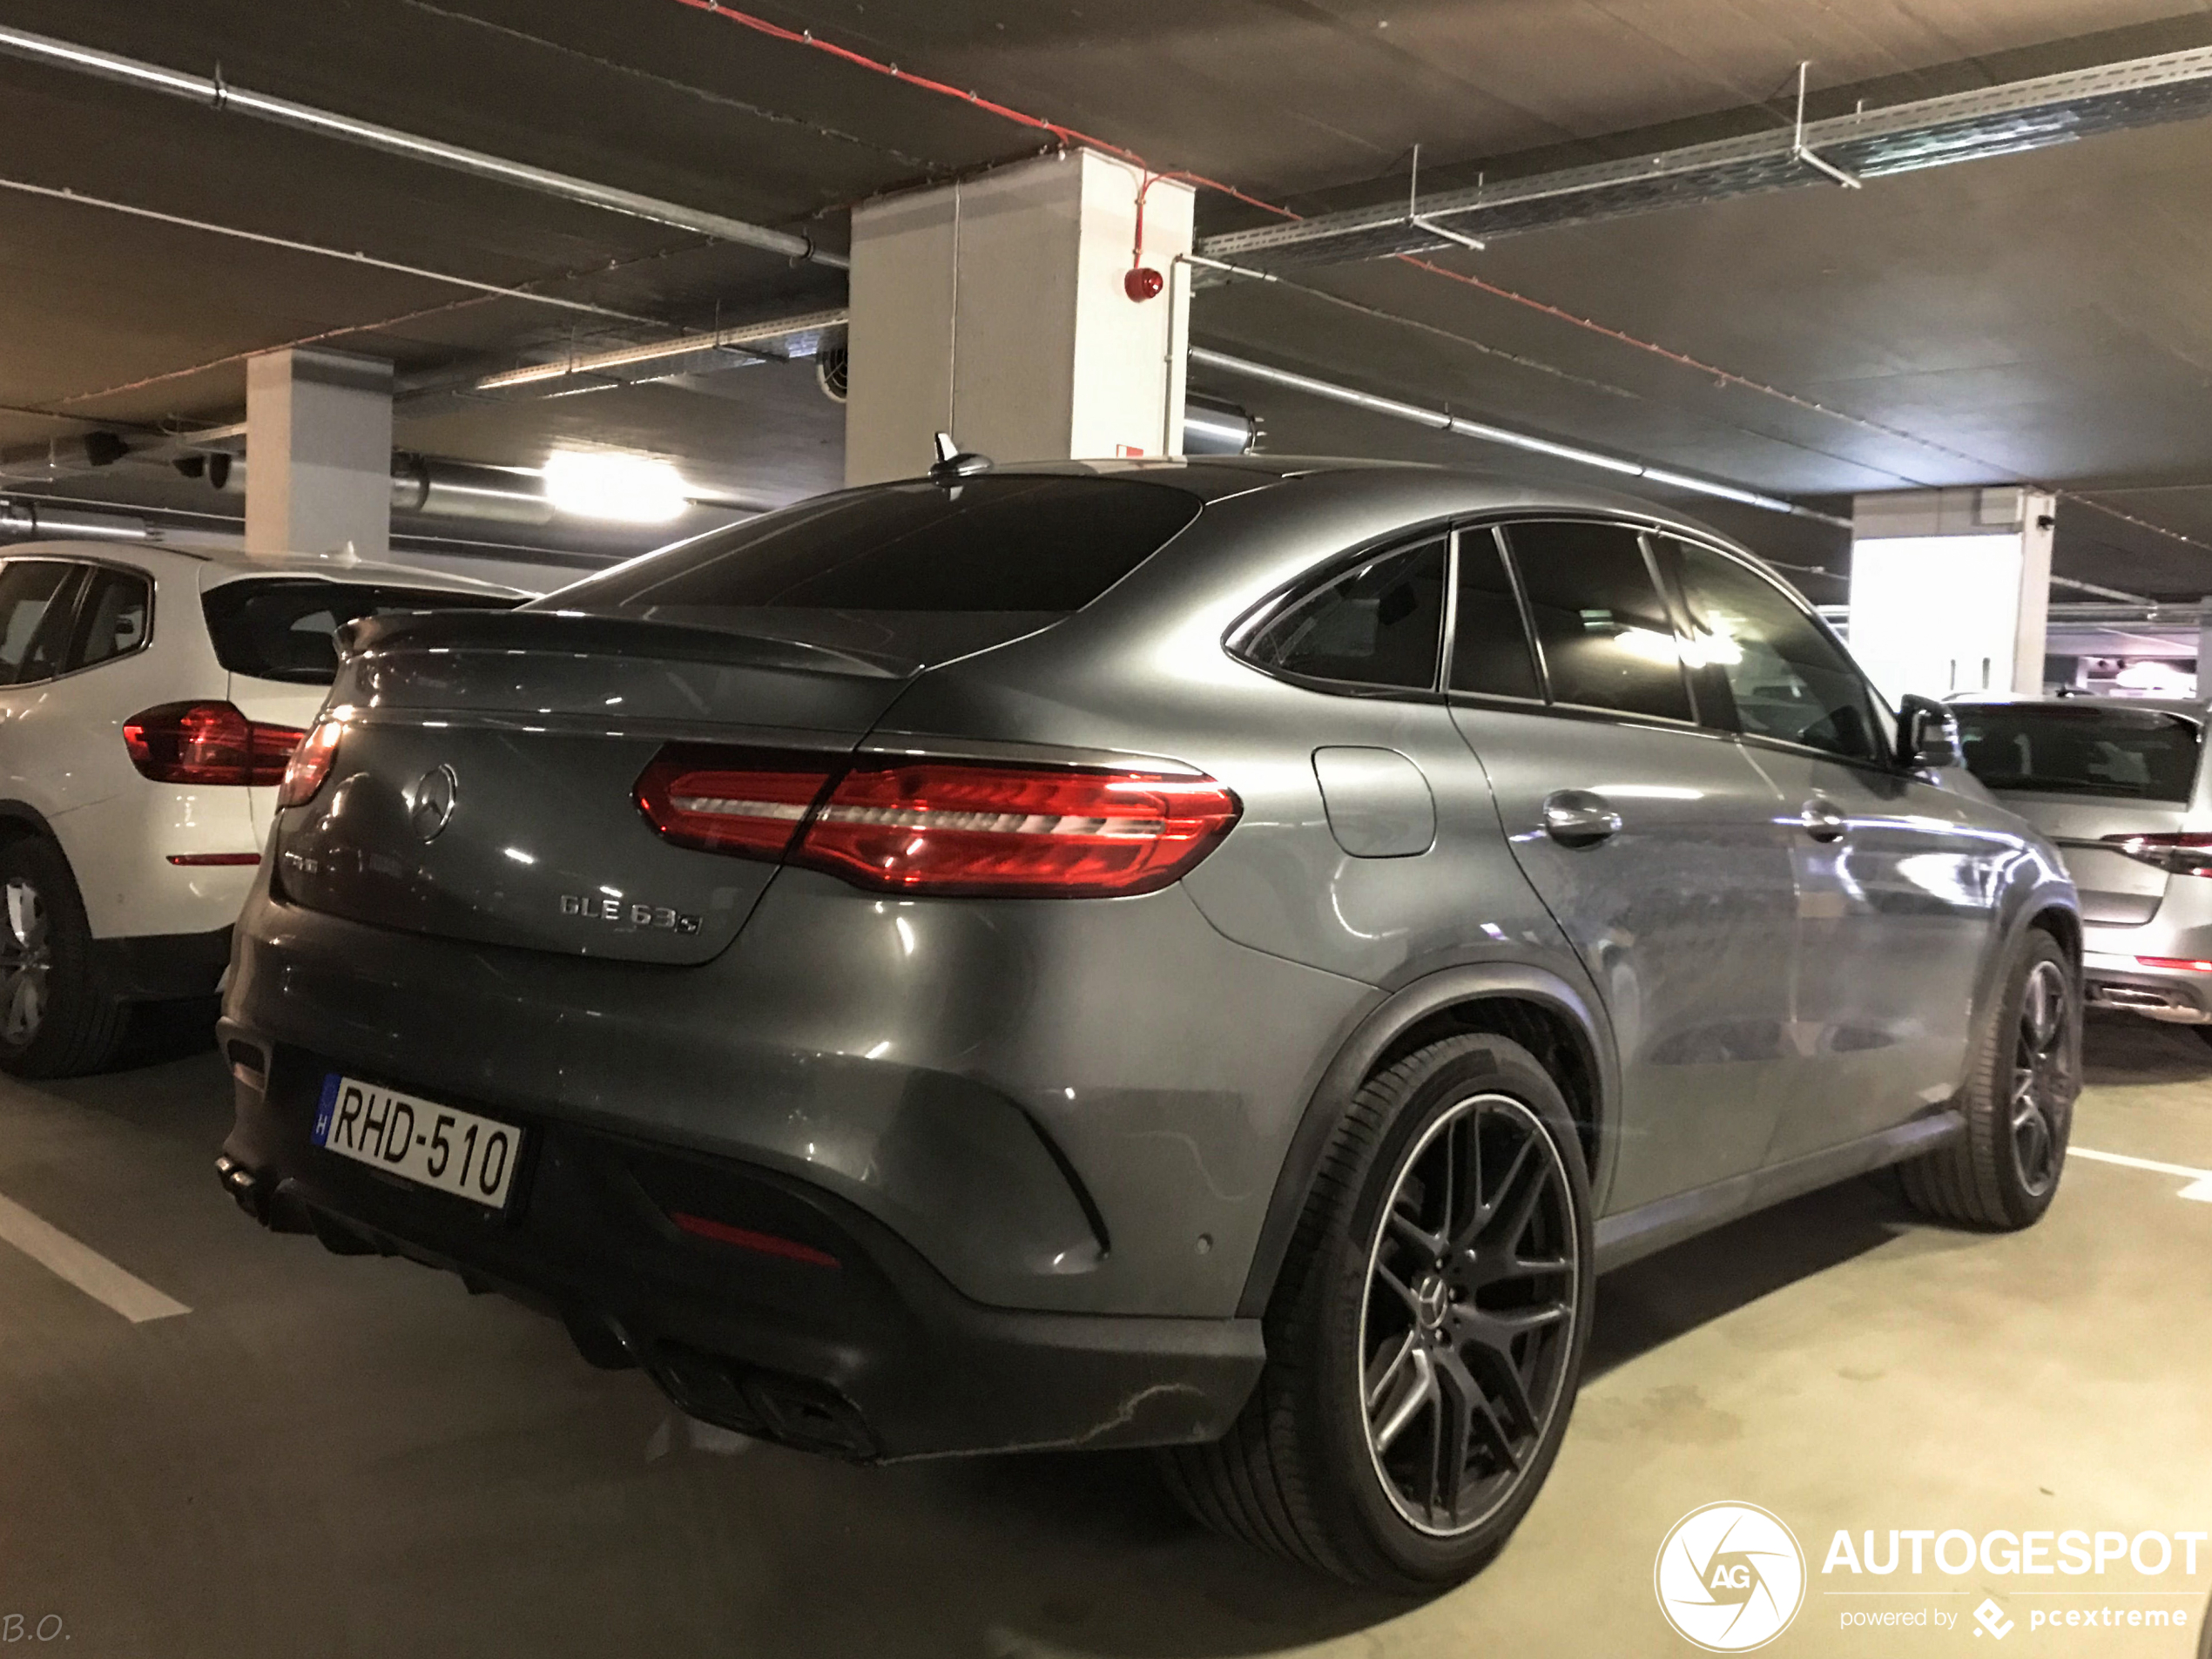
[{"x": 1928, "y": 735}]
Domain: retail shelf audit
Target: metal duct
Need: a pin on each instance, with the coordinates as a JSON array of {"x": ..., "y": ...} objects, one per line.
[
  {"x": 439, "y": 489},
  {"x": 25, "y": 519},
  {"x": 222, "y": 95},
  {"x": 427, "y": 485},
  {"x": 1444, "y": 420},
  {"x": 1217, "y": 429}
]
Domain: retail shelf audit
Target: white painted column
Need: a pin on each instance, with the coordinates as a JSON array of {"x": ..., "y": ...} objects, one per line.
[
  {"x": 998, "y": 309},
  {"x": 318, "y": 453},
  {"x": 1951, "y": 590}
]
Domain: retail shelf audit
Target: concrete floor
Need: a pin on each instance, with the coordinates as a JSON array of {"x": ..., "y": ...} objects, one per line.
[{"x": 354, "y": 1457}]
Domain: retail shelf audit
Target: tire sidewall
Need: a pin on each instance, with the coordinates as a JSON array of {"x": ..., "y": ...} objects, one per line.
[
  {"x": 1464, "y": 1067},
  {"x": 2023, "y": 1208},
  {"x": 69, "y": 978}
]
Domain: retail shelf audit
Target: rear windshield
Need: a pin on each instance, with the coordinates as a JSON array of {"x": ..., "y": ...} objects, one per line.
[
  {"x": 1006, "y": 544},
  {"x": 279, "y": 628},
  {"x": 2134, "y": 754}
]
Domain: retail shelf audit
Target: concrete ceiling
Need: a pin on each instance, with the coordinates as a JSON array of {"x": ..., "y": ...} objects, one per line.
[{"x": 2040, "y": 316}]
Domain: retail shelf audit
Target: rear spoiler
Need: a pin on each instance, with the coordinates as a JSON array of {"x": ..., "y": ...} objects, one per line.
[{"x": 586, "y": 634}]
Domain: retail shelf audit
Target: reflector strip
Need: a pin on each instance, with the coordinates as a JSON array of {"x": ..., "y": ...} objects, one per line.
[
  {"x": 744, "y": 1239},
  {"x": 215, "y": 860},
  {"x": 2176, "y": 961}
]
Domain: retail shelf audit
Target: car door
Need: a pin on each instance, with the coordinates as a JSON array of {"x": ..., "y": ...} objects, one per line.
[
  {"x": 1895, "y": 881},
  {"x": 1652, "y": 840}
]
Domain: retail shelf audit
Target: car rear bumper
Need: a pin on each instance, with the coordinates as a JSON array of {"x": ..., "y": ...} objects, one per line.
[
  {"x": 2178, "y": 995},
  {"x": 792, "y": 1316},
  {"x": 154, "y": 967}
]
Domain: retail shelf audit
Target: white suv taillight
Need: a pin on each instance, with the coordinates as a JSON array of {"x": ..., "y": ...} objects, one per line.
[{"x": 208, "y": 743}]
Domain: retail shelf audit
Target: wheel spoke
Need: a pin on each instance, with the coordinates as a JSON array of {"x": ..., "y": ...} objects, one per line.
[
  {"x": 1419, "y": 1393},
  {"x": 1398, "y": 1288},
  {"x": 22, "y": 914},
  {"x": 1482, "y": 1417},
  {"x": 1459, "y": 1400},
  {"x": 1378, "y": 1379},
  {"x": 1411, "y": 1232}
]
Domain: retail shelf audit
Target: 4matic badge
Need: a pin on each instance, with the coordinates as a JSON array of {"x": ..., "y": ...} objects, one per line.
[{"x": 628, "y": 913}]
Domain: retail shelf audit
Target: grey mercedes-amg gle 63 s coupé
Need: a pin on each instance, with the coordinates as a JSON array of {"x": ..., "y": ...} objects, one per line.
[{"x": 1213, "y": 956}]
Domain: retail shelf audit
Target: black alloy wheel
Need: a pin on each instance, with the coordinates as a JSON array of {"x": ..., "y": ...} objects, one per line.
[
  {"x": 1425, "y": 1333},
  {"x": 1467, "y": 1327}
]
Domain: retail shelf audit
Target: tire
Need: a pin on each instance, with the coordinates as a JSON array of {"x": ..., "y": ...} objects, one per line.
[
  {"x": 2003, "y": 1172},
  {"x": 57, "y": 1017},
  {"x": 1328, "y": 1470}
]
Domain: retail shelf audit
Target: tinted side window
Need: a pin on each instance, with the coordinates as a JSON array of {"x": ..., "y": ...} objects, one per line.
[
  {"x": 1787, "y": 678},
  {"x": 35, "y": 610},
  {"x": 1606, "y": 639},
  {"x": 1013, "y": 543},
  {"x": 113, "y": 619},
  {"x": 1489, "y": 646},
  {"x": 1379, "y": 624}
]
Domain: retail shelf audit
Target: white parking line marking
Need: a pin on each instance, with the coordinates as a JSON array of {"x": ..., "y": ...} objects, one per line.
[
  {"x": 88, "y": 1270},
  {"x": 2200, "y": 1190}
]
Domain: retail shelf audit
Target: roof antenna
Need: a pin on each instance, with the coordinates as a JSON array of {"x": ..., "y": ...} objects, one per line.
[{"x": 953, "y": 463}]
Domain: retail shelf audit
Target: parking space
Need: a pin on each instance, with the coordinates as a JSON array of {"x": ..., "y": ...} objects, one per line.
[{"x": 355, "y": 1457}]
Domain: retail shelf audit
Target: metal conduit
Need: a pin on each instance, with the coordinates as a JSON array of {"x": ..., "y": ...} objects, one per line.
[
  {"x": 1444, "y": 420},
  {"x": 219, "y": 94}
]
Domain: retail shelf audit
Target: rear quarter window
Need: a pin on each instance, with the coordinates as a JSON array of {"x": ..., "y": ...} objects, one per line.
[
  {"x": 1031, "y": 543},
  {"x": 2130, "y": 754},
  {"x": 280, "y": 628}
]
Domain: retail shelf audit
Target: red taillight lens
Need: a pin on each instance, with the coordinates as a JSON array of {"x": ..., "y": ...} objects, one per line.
[
  {"x": 940, "y": 826},
  {"x": 2185, "y": 963},
  {"x": 208, "y": 743},
  {"x": 2188, "y": 854},
  {"x": 722, "y": 800},
  {"x": 310, "y": 763},
  {"x": 947, "y": 827}
]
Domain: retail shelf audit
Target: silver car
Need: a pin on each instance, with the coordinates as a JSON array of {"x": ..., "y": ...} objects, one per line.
[
  {"x": 2122, "y": 788},
  {"x": 1211, "y": 956}
]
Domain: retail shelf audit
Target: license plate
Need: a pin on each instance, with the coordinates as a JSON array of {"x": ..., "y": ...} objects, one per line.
[{"x": 432, "y": 1145}]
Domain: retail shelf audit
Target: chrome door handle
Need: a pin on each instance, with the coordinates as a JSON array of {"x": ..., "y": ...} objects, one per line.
[
  {"x": 1577, "y": 818},
  {"x": 1823, "y": 821}
]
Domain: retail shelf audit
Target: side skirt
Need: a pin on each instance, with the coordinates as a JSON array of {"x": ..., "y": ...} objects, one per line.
[{"x": 1636, "y": 1233}]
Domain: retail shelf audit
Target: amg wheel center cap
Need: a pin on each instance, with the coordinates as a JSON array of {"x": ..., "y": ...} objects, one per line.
[{"x": 1432, "y": 1297}]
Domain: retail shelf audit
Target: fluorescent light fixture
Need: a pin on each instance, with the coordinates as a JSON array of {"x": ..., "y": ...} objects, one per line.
[{"x": 631, "y": 490}]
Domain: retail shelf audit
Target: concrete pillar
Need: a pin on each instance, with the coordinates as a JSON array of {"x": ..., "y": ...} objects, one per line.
[
  {"x": 1950, "y": 589},
  {"x": 319, "y": 453},
  {"x": 2204, "y": 648},
  {"x": 997, "y": 309}
]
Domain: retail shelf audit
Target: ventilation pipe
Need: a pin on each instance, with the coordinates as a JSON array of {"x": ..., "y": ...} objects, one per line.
[
  {"x": 428, "y": 486},
  {"x": 24, "y": 518}
]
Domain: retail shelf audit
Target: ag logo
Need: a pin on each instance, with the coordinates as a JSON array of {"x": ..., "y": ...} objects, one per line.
[{"x": 1730, "y": 1577}]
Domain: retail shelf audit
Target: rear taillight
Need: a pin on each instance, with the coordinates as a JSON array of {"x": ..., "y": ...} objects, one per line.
[
  {"x": 722, "y": 800},
  {"x": 943, "y": 826},
  {"x": 2187, "y": 963},
  {"x": 310, "y": 763},
  {"x": 948, "y": 827},
  {"x": 208, "y": 743},
  {"x": 2189, "y": 854}
]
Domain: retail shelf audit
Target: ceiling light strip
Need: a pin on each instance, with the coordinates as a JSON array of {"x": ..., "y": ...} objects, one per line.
[
  {"x": 219, "y": 94},
  {"x": 1444, "y": 420}
]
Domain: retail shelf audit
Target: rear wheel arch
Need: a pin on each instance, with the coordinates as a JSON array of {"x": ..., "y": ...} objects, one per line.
[{"x": 1564, "y": 1028}]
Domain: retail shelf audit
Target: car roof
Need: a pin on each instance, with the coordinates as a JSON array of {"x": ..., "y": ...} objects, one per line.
[{"x": 218, "y": 565}]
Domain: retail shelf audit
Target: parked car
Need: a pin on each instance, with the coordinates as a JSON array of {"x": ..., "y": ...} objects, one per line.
[
  {"x": 148, "y": 699},
  {"x": 1211, "y": 956},
  {"x": 2121, "y": 788}
]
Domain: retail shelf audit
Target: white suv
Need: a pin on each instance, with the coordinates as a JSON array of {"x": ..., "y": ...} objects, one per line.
[{"x": 148, "y": 699}]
